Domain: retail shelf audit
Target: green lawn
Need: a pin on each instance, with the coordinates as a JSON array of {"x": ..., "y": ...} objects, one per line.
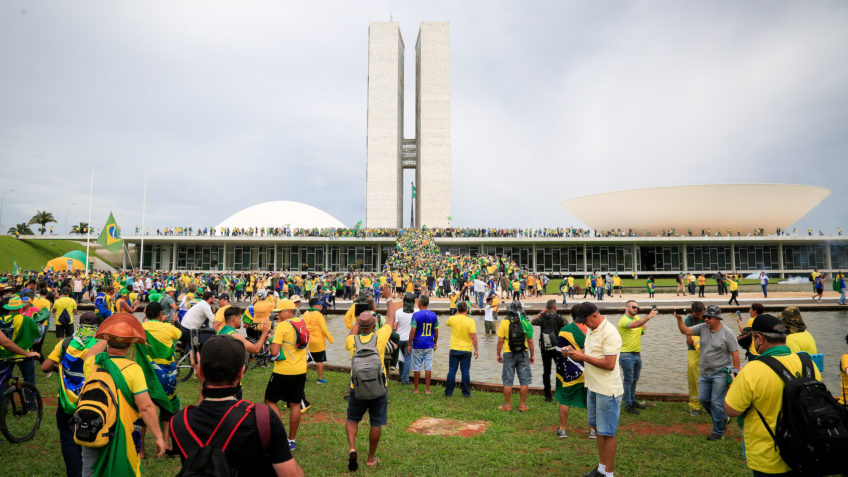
[
  {"x": 664, "y": 440},
  {"x": 33, "y": 254}
]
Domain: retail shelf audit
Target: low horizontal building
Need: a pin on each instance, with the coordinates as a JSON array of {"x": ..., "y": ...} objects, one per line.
[{"x": 556, "y": 256}]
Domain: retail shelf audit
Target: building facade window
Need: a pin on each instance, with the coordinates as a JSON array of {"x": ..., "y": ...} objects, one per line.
[
  {"x": 804, "y": 257},
  {"x": 756, "y": 257},
  {"x": 660, "y": 259}
]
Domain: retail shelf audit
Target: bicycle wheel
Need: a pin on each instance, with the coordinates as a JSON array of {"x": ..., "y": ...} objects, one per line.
[
  {"x": 184, "y": 369},
  {"x": 19, "y": 420}
]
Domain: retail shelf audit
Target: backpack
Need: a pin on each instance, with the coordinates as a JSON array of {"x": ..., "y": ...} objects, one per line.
[
  {"x": 97, "y": 410},
  {"x": 812, "y": 428},
  {"x": 515, "y": 336},
  {"x": 209, "y": 458},
  {"x": 64, "y": 318},
  {"x": 301, "y": 333},
  {"x": 548, "y": 337},
  {"x": 366, "y": 370}
]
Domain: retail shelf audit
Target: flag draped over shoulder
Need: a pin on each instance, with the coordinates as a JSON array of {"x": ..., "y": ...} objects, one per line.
[
  {"x": 144, "y": 355},
  {"x": 119, "y": 456},
  {"x": 110, "y": 237}
]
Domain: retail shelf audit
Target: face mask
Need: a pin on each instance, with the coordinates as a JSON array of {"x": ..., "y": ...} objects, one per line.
[{"x": 84, "y": 332}]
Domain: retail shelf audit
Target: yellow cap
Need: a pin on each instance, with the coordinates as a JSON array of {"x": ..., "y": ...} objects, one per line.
[{"x": 284, "y": 304}]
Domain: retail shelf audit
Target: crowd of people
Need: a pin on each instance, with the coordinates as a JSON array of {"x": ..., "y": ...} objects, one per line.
[{"x": 588, "y": 360}]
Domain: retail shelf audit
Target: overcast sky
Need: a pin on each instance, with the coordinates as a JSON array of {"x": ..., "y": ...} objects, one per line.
[{"x": 228, "y": 104}]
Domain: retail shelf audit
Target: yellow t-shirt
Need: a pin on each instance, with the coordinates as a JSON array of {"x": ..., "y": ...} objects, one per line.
[
  {"x": 261, "y": 311},
  {"x": 383, "y": 335},
  {"x": 733, "y": 285},
  {"x": 616, "y": 281},
  {"x": 843, "y": 376},
  {"x": 571, "y": 282},
  {"x": 295, "y": 362},
  {"x": 801, "y": 342},
  {"x": 350, "y": 317},
  {"x": 65, "y": 303},
  {"x": 631, "y": 338},
  {"x": 702, "y": 280},
  {"x": 453, "y": 301},
  {"x": 41, "y": 303},
  {"x": 753, "y": 348},
  {"x": 219, "y": 315},
  {"x": 503, "y": 332},
  {"x": 130, "y": 369},
  {"x": 462, "y": 326},
  {"x": 318, "y": 332},
  {"x": 758, "y": 386}
]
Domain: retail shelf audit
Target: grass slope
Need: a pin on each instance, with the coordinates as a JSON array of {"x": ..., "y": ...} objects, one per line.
[
  {"x": 33, "y": 254},
  {"x": 664, "y": 440}
]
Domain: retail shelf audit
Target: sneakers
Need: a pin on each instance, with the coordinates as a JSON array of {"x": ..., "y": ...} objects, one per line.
[
  {"x": 640, "y": 405},
  {"x": 593, "y": 434},
  {"x": 561, "y": 433},
  {"x": 321, "y": 381},
  {"x": 631, "y": 410},
  {"x": 694, "y": 412},
  {"x": 292, "y": 444},
  {"x": 593, "y": 473},
  {"x": 304, "y": 405},
  {"x": 715, "y": 437}
]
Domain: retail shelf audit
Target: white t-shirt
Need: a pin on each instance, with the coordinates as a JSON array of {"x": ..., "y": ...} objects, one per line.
[
  {"x": 198, "y": 315},
  {"x": 490, "y": 316},
  {"x": 404, "y": 323},
  {"x": 77, "y": 286}
]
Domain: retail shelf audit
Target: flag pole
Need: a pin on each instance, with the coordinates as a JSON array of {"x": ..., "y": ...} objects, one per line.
[
  {"x": 88, "y": 230},
  {"x": 143, "y": 209}
]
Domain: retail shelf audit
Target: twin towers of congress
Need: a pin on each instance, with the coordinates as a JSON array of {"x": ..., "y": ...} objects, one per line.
[{"x": 388, "y": 152}]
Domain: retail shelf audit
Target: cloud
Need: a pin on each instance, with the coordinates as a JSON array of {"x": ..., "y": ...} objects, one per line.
[{"x": 226, "y": 105}]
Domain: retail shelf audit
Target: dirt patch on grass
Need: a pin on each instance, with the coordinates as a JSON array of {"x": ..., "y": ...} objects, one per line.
[
  {"x": 431, "y": 426},
  {"x": 324, "y": 417}
]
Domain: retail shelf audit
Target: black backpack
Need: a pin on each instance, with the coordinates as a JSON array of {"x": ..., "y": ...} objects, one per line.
[
  {"x": 209, "y": 459},
  {"x": 64, "y": 318},
  {"x": 515, "y": 337},
  {"x": 812, "y": 428},
  {"x": 549, "y": 336}
]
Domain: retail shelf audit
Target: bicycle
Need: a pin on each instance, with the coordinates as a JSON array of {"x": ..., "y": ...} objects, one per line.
[
  {"x": 183, "y": 360},
  {"x": 21, "y": 408},
  {"x": 263, "y": 358}
]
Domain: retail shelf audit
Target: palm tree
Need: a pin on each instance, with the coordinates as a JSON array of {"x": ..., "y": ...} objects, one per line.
[
  {"x": 42, "y": 217},
  {"x": 80, "y": 228},
  {"x": 21, "y": 229}
]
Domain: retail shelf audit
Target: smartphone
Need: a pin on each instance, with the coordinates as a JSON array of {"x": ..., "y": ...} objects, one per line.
[{"x": 653, "y": 307}]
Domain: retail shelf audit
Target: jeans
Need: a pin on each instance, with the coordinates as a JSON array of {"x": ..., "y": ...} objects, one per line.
[
  {"x": 407, "y": 363},
  {"x": 765, "y": 290},
  {"x": 480, "y": 296},
  {"x": 547, "y": 358},
  {"x": 842, "y": 296},
  {"x": 462, "y": 359},
  {"x": 631, "y": 366},
  {"x": 564, "y": 296},
  {"x": 602, "y": 412},
  {"x": 71, "y": 451},
  {"x": 711, "y": 392}
]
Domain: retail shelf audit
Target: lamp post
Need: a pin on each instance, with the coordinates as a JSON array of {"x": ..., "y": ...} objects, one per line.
[
  {"x": 2, "y": 199},
  {"x": 67, "y": 210}
]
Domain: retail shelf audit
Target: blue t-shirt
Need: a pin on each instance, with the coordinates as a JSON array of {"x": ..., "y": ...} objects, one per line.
[{"x": 424, "y": 321}]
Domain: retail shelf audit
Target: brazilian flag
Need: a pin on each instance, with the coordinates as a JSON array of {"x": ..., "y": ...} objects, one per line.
[{"x": 110, "y": 237}]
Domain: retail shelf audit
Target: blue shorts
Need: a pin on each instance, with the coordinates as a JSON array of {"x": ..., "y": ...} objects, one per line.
[
  {"x": 377, "y": 409},
  {"x": 422, "y": 357},
  {"x": 603, "y": 412},
  {"x": 520, "y": 364}
]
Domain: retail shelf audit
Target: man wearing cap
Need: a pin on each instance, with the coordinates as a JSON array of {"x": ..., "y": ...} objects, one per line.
[
  {"x": 798, "y": 339},
  {"x": 223, "y": 304},
  {"x": 719, "y": 358},
  {"x": 693, "y": 357},
  {"x": 169, "y": 305},
  {"x": 604, "y": 386},
  {"x": 221, "y": 368},
  {"x": 67, "y": 357},
  {"x": 758, "y": 390},
  {"x": 119, "y": 332},
  {"x": 318, "y": 333},
  {"x": 288, "y": 381},
  {"x": 18, "y": 333},
  {"x": 364, "y": 331}
]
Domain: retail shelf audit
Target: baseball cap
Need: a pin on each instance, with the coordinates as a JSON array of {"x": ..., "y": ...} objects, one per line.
[
  {"x": 295, "y": 298},
  {"x": 89, "y": 318},
  {"x": 224, "y": 296},
  {"x": 170, "y": 289},
  {"x": 586, "y": 309},
  {"x": 284, "y": 304},
  {"x": 768, "y": 324},
  {"x": 222, "y": 358}
]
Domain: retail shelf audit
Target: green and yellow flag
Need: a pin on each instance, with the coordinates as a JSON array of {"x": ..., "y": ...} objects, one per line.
[{"x": 110, "y": 237}]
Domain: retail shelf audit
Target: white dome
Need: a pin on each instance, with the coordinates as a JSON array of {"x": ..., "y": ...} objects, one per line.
[{"x": 281, "y": 213}]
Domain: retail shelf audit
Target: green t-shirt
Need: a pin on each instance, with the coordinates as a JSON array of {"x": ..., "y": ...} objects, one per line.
[{"x": 226, "y": 330}]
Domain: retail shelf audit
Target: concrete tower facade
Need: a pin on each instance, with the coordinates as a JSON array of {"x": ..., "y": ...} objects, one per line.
[
  {"x": 383, "y": 173},
  {"x": 432, "y": 125},
  {"x": 388, "y": 152}
]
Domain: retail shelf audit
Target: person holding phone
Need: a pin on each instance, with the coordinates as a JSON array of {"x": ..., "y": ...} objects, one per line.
[{"x": 631, "y": 327}]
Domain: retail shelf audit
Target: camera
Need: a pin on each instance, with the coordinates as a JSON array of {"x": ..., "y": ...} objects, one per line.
[{"x": 681, "y": 311}]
